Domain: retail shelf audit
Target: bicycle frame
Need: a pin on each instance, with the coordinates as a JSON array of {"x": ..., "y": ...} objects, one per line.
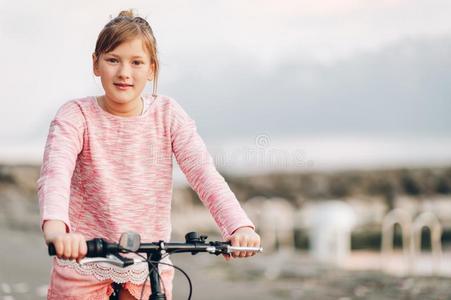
[{"x": 156, "y": 293}]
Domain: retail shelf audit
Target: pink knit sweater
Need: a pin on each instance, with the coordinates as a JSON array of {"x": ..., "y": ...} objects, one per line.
[{"x": 104, "y": 174}]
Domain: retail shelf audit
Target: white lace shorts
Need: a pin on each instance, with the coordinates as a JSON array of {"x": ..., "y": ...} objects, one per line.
[{"x": 68, "y": 283}]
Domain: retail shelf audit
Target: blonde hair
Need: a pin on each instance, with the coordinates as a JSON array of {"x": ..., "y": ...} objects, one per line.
[{"x": 127, "y": 26}]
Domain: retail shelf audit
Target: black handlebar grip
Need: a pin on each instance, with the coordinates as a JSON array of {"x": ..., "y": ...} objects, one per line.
[
  {"x": 52, "y": 250},
  {"x": 96, "y": 247}
]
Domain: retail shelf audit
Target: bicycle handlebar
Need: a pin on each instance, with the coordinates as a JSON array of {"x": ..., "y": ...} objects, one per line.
[
  {"x": 100, "y": 250},
  {"x": 195, "y": 243}
]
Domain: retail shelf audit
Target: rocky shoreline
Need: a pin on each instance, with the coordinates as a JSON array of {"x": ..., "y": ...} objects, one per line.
[{"x": 19, "y": 204}]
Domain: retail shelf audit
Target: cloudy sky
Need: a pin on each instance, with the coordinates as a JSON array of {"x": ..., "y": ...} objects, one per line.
[{"x": 288, "y": 70}]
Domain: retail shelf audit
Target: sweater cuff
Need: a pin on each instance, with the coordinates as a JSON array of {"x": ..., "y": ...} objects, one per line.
[{"x": 48, "y": 218}]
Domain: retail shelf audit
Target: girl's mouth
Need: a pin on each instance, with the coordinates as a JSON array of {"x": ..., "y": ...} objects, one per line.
[{"x": 123, "y": 86}]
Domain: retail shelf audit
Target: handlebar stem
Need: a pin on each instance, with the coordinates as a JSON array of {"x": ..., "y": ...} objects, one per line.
[{"x": 153, "y": 273}]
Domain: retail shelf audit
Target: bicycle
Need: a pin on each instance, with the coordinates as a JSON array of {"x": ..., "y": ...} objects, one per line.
[{"x": 100, "y": 250}]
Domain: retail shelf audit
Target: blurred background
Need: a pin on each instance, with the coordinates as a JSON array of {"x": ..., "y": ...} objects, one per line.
[{"x": 328, "y": 119}]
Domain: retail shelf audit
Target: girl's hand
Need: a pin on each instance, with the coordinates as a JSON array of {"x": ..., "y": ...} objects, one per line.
[
  {"x": 69, "y": 245},
  {"x": 244, "y": 237}
]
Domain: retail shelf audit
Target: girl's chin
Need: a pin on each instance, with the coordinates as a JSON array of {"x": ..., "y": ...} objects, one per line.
[{"x": 121, "y": 99}]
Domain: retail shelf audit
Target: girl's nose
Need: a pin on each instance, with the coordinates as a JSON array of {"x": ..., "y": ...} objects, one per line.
[{"x": 124, "y": 71}]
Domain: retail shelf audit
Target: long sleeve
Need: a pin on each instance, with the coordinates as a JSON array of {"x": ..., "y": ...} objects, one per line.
[
  {"x": 64, "y": 143},
  {"x": 198, "y": 166}
]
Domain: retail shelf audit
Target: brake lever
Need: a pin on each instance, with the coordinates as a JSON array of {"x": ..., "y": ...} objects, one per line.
[
  {"x": 226, "y": 248},
  {"x": 114, "y": 259},
  {"x": 231, "y": 249}
]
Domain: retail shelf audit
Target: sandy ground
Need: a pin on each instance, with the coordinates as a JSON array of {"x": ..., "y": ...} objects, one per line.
[{"x": 25, "y": 267}]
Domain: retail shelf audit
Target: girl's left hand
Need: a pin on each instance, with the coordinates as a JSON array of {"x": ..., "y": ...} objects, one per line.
[{"x": 244, "y": 237}]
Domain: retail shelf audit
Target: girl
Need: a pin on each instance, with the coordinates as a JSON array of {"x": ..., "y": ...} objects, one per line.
[{"x": 107, "y": 169}]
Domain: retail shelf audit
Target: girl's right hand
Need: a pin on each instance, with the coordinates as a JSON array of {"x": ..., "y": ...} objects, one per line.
[{"x": 69, "y": 245}]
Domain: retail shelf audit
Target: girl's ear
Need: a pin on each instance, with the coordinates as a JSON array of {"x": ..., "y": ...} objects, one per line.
[{"x": 95, "y": 65}]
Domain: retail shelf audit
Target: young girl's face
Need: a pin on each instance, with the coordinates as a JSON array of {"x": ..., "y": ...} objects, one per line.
[{"x": 124, "y": 71}]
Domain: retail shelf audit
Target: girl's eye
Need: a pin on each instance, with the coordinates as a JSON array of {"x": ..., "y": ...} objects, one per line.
[{"x": 113, "y": 60}]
